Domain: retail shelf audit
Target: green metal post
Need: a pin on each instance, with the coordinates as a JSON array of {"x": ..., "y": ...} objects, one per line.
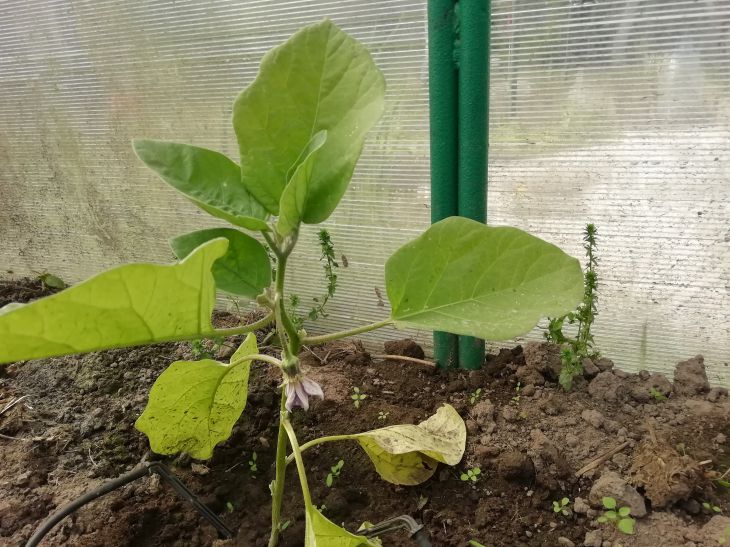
[
  {"x": 474, "y": 20},
  {"x": 443, "y": 97}
]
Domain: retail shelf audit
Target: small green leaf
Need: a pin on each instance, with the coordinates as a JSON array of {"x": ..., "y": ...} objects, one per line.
[
  {"x": 564, "y": 501},
  {"x": 244, "y": 270},
  {"x": 329, "y": 479},
  {"x": 610, "y": 515},
  {"x": 609, "y": 503},
  {"x": 626, "y": 526},
  {"x": 319, "y": 79},
  {"x": 320, "y": 532},
  {"x": 602, "y": 520},
  {"x": 208, "y": 178},
  {"x": 466, "y": 278},
  {"x": 624, "y": 511},
  {"x": 194, "y": 405},
  {"x": 126, "y": 306},
  {"x": 409, "y": 454}
]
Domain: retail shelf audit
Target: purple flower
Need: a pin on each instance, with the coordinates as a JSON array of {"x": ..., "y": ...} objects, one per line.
[{"x": 298, "y": 392}]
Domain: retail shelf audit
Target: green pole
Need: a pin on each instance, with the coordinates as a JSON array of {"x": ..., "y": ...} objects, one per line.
[
  {"x": 473, "y": 108},
  {"x": 443, "y": 99}
]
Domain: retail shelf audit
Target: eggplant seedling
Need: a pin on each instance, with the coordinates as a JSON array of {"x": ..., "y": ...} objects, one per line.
[{"x": 298, "y": 145}]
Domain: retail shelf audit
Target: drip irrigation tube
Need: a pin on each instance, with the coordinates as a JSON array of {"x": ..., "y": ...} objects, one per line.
[{"x": 137, "y": 473}]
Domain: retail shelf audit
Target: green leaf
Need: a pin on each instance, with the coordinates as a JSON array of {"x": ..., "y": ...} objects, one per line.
[
  {"x": 209, "y": 179},
  {"x": 409, "y": 454},
  {"x": 610, "y": 515},
  {"x": 624, "y": 511},
  {"x": 194, "y": 405},
  {"x": 602, "y": 520},
  {"x": 126, "y": 306},
  {"x": 466, "y": 278},
  {"x": 294, "y": 199},
  {"x": 244, "y": 270},
  {"x": 626, "y": 526},
  {"x": 609, "y": 503},
  {"x": 319, "y": 79},
  {"x": 321, "y": 532}
]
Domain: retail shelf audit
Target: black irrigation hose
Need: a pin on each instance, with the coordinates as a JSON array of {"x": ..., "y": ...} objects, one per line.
[{"x": 139, "y": 472}]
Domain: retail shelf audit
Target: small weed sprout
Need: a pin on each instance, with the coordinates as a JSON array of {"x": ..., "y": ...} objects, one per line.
[
  {"x": 334, "y": 472},
  {"x": 619, "y": 516},
  {"x": 475, "y": 543},
  {"x": 252, "y": 464},
  {"x": 517, "y": 396},
  {"x": 284, "y": 525},
  {"x": 471, "y": 475},
  {"x": 357, "y": 397},
  {"x": 725, "y": 536},
  {"x": 474, "y": 397},
  {"x": 382, "y": 416},
  {"x": 574, "y": 350},
  {"x": 657, "y": 395},
  {"x": 321, "y": 508},
  {"x": 711, "y": 508},
  {"x": 562, "y": 507},
  {"x": 229, "y": 507}
]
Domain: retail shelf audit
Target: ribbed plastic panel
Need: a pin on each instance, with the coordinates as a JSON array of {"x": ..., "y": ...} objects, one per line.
[
  {"x": 80, "y": 79},
  {"x": 618, "y": 113}
]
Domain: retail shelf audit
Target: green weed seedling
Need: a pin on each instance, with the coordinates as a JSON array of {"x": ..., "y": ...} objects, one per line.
[
  {"x": 357, "y": 397},
  {"x": 471, "y": 475},
  {"x": 474, "y": 397},
  {"x": 574, "y": 350},
  {"x": 382, "y": 416},
  {"x": 334, "y": 472},
  {"x": 517, "y": 396},
  {"x": 711, "y": 508},
  {"x": 620, "y": 517},
  {"x": 298, "y": 146},
  {"x": 252, "y": 464},
  {"x": 562, "y": 507},
  {"x": 475, "y": 543},
  {"x": 657, "y": 395}
]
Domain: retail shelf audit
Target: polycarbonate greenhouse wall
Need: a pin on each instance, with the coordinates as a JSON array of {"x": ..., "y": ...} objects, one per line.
[{"x": 612, "y": 112}]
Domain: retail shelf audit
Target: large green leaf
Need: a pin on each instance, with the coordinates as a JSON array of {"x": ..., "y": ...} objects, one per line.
[
  {"x": 321, "y": 532},
  {"x": 194, "y": 405},
  {"x": 294, "y": 199},
  {"x": 319, "y": 79},
  {"x": 463, "y": 277},
  {"x": 208, "y": 178},
  {"x": 127, "y": 306},
  {"x": 244, "y": 270},
  {"x": 408, "y": 454}
]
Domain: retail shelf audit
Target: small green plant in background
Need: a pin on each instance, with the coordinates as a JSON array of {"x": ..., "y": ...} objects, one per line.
[
  {"x": 471, "y": 475},
  {"x": 252, "y": 464},
  {"x": 206, "y": 348},
  {"x": 574, "y": 350},
  {"x": 725, "y": 538},
  {"x": 620, "y": 517},
  {"x": 357, "y": 397},
  {"x": 284, "y": 525},
  {"x": 711, "y": 507},
  {"x": 657, "y": 395},
  {"x": 517, "y": 396},
  {"x": 50, "y": 281},
  {"x": 474, "y": 397},
  {"x": 382, "y": 416},
  {"x": 562, "y": 507},
  {"x": 475, "y": 543},
  {"x": 334, "y": 472}
]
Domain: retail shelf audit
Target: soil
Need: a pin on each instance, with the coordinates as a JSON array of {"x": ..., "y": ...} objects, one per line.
[{"x": 73, "y": 430}]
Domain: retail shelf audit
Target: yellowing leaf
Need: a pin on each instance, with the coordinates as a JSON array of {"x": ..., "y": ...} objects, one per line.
[
  {"x": 127, "y": 306},
  {"x": 320, "y": 532},
  {"x": 194, "y": 405},
  {"x": 409, "y": 454}
]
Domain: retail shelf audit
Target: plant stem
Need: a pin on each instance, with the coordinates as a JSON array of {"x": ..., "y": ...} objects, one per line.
[
  {"x": 278, "y": 494},
  {"x": 315, "y": 340},
  {"x": 243, "y": 329},
  {"x": 320, "y": 440},
  {"x": 301, "y": 471},
  {"x": 258, "y": 357}
]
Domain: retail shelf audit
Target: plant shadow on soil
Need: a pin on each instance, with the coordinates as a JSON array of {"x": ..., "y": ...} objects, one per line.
[{"x": 74, "y": 429}]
